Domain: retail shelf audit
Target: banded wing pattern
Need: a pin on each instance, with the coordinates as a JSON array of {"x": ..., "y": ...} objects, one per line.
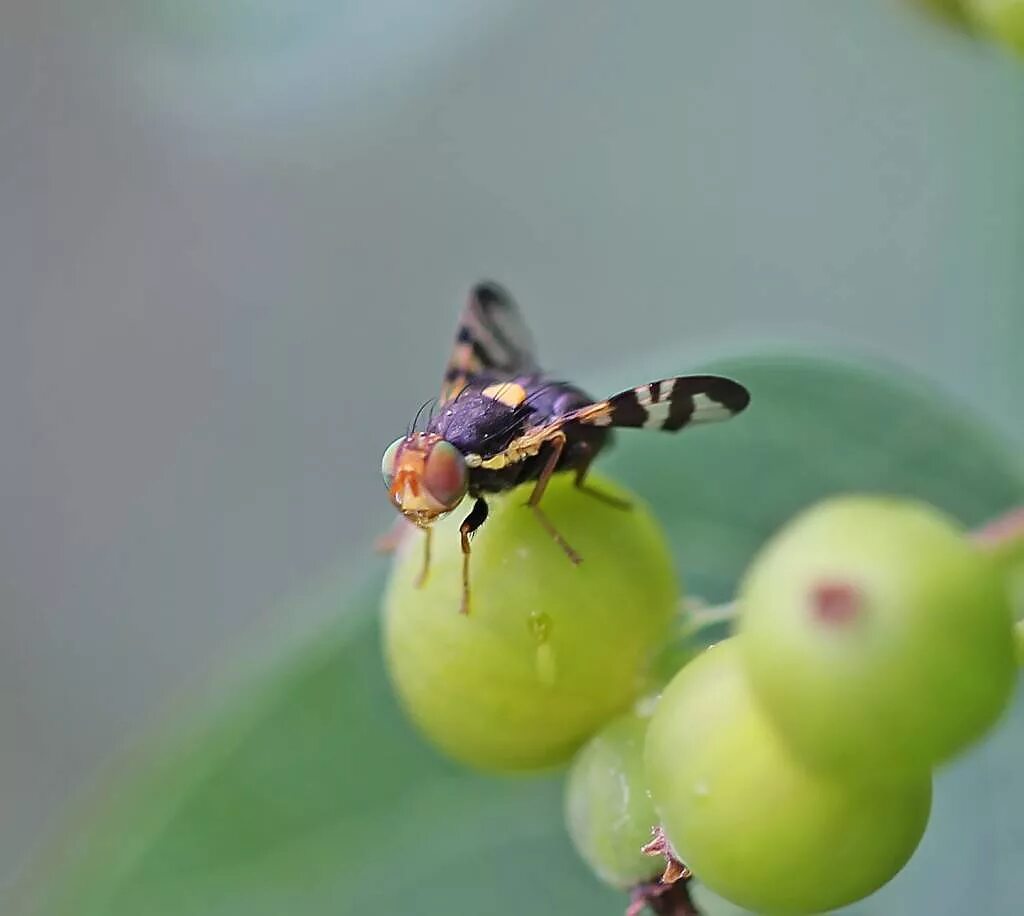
[
  {"x": 491, "y": 341},
  {"x": 516, "y": 425},
  {"x": 668, "y": 404}
]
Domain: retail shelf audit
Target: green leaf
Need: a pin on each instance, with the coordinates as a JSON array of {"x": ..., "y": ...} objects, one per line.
[{"x": 302, "y": 789}]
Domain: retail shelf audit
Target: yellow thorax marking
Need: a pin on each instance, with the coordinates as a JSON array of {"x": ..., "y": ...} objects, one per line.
[
  {"x": 526, "y": 446},
  {"x": 511, "y": 394}
]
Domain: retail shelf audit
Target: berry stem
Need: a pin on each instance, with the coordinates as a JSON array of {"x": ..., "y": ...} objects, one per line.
[
  {"x": 663, "y": 899},
  {"x": 700, "y": 617},
  {"x": 1003, "y": 538}
]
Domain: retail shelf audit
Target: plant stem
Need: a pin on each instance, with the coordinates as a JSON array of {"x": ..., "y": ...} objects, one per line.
[
  {"x": 675, "y": 901},
  {"x": 663, "y": 899},
  {"x": 1003, "y": 539},
  {"x": 701, "y": 617}
]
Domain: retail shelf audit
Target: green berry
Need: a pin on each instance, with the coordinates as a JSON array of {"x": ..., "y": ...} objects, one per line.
[
  {"x": 1003, "y": 19},
  {"x": 876, "y": 635},
  {"x": 550, "y": 650},
  {"x": 607, "y": 808},
  {"x": 750, "y": 819}
]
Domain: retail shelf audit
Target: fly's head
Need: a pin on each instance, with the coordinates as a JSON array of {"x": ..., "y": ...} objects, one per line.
[{"x": 426, "y": 477}]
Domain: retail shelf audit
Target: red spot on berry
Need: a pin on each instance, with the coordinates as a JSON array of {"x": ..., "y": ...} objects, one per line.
[{"x": 835, "y": 602}]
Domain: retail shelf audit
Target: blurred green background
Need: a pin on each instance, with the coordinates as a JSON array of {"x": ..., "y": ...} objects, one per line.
[{"x": 233, "y": 241}]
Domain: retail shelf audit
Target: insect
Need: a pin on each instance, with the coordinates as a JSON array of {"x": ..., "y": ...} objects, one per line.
[{"x": 501, "y": 421}]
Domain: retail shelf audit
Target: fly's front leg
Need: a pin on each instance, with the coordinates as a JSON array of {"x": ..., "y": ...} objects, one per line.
[
  {"x": 390, "y": 542},
  {"x": 421, "y": 579},
  {"x": 557, "y": 442},
  {"x": 393, "y": 537},
  {"x": 474, "y": 520}
]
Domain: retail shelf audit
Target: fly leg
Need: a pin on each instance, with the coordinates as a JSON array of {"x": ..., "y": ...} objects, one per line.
[
  {"x": 581, "y": 484},
  {"x": 392, "y": 540},
  {"x": 421, "y": 579},
  {"x": 557, "y": 442},
  {"x": 474, "y": 520},
  {"x": 393, "y": 537}
]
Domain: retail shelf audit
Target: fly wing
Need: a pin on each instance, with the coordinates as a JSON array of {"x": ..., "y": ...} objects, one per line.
[
  {"x": 668, "y": 404},
  {"x": 491, "y": 341}
]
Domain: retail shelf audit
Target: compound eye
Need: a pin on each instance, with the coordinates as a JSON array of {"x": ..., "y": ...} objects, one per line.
[
  {"x": 387, "y": 463},
  {"x": 446, "y": 476}
]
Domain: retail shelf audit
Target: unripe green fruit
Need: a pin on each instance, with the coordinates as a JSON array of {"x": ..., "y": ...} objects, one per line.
[
  {"x": 607, "y": 808},
  {"x": 752, "y": 822},
  {"x": 550, "y": 650},
  {"x": 1003, "y": 19},
  {"x": 876, "y": 635}
]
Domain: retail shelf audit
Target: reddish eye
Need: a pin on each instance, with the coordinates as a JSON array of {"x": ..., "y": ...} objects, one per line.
[{"x": 445, "y": 475}]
